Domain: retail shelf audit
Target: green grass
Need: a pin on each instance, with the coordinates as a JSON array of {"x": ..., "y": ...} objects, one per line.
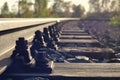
[{"x": 115, "y": 21}]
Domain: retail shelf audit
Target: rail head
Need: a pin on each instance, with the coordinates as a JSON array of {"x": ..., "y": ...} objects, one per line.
[
  {"x": 7, "y": 31},
  {"x": 30, "y": 23}
]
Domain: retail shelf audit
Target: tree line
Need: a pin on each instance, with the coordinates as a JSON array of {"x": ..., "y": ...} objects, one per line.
[
  {"x": 109, "y": 9},
  {"x": 60, "y": 8}
]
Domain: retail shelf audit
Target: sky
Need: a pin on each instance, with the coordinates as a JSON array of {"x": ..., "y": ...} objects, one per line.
[{"x": 13, "y": 3}]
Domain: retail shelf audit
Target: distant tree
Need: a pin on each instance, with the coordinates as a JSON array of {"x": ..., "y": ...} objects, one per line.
[
  {"x": 78, "y": 11},
  {"x": 67, "y": 9},
  {"x": 49, "y": 12},
  {"x": 61, "y": 8},
  {"x": 102, "y": 8},
  {"x": 44, "y": 8},
  {"x": 99, "y": 5},
  {"x": 41, "y": 8},
  {"x": 94, "y": 6},
  {"x": 105, "y": 5},
  {"x": 57, "y": 8},
  {"x": 5, "y": 10},
  {"x": 24, "y": 9}
]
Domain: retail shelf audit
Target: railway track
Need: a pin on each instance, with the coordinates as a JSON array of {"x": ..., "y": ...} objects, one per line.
[{"x": 82, "y": 58}]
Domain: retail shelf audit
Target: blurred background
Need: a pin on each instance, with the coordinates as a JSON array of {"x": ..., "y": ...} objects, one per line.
[{"x": 107, "y": 9}]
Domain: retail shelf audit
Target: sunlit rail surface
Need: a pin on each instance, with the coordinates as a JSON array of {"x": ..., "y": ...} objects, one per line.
[{"x": 58, "y": 49}]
